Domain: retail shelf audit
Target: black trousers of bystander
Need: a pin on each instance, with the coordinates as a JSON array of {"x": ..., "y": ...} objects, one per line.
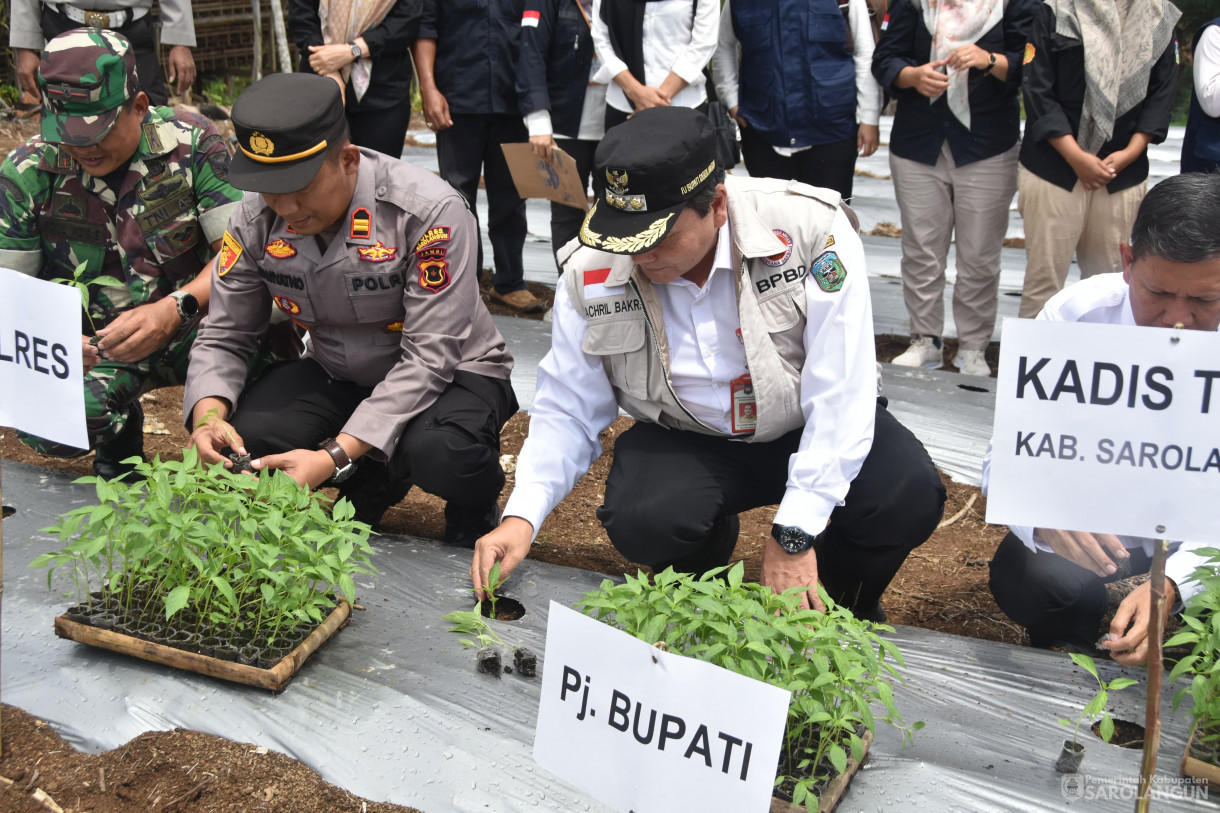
[
  {"x": 832, "y": 166},
  {"x": 668, "y": 492}
]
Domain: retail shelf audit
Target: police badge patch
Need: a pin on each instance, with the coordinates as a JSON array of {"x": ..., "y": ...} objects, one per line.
[
  {"x": 230, "y": 251},
  {"x": 281, "y": 249},
  {"x": 829, "y": 272}
]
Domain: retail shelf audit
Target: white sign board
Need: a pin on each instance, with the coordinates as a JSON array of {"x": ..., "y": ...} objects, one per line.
[
  {"x": 1108, "y": 429},
  {"x": 653, "y": 732},
  {"x": 41, "y": 385}
]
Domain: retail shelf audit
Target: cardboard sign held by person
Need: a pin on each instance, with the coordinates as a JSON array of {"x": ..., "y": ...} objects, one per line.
[
  {"x": 1107, "y": 429},
  {"x": 555, "y": 180},
  {"x": 41, "y": 372}
]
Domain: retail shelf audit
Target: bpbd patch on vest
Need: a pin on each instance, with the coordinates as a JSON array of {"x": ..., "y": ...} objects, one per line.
[{"x": 829, "y": 272}]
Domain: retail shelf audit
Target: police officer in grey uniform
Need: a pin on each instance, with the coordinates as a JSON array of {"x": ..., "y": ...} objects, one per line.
[{"x": 406, "y": 381}]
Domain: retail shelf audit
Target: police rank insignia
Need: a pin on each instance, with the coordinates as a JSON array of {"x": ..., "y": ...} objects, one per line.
[
  {"x": 362, "y": 223},
  {"x": 394, "y": 327},
  {"x": 286, "y": 305},
  {"x": 430, "y": 253},
  {"x": 260, "y": 144},
  {"x": 230, "y": 251},
  {"x": 281, "y": 249},
  {"x": 776, "y": 260},
  {"x": 829, "y": 272},
  {"x": 377, "y": 253}
]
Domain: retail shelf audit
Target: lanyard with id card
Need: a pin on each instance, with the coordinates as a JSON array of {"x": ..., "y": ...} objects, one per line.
[{"x": 745, "y": 408}]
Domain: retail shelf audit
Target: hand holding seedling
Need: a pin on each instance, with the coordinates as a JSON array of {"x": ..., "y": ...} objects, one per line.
[
  {"x": 1095, "y": 552},
  {"x": 782, "y": 570},
  {"x": 136, "y": 334},
  {"x": 309, "y": 467},
  {"x": 213, "y": 433},
  {"x": 1129, "y": 630},
  {"x": 507, "y": 544},
  {"x": 89, "y": 353}
]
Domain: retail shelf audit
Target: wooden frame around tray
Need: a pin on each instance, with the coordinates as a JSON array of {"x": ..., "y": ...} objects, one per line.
[
  {"x": 834, "y": 791},
  {"x": 275, "y": 678},
  {"x": 1197, "y": 768}
]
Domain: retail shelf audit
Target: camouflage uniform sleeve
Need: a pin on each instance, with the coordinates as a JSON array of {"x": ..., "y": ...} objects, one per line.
[
  {"x": 237, "y": 315},
  {"x": 215, "y": 198},
  {"x": 20, "y": 245}
]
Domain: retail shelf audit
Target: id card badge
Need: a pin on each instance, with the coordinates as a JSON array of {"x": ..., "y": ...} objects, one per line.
[{"x": 745, "y": 407}]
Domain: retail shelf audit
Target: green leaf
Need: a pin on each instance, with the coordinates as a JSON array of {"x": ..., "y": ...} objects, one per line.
[
  {"x": 838, "y": 758},
  {"x": 1106, "y": 729},
  {"x": 177, "y": 599},
  {"x": 1120, "y": 683},
  {"x": 1084, "y": 662}
]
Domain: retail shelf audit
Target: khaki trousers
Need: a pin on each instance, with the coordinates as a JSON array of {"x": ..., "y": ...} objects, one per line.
[
  {"x": 938, "y": 203},
  {"x": 1059, "y": 223}
]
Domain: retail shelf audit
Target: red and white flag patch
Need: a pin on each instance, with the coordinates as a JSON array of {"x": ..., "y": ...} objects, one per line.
[
  {"x": 530, "y": 19},
  {"x": 594, "y": 284}
]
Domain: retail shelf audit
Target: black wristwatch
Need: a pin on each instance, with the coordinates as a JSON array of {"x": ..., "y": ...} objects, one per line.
[
  {"x": 344, "y": 467},
  {"x": 792, "y": 539},
  {"x": 187, "y": 304},
  {"x": 990, "y": 64}
]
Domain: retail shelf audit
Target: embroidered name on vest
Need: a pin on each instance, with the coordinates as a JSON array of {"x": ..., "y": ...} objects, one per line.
[
  {"x": 282, "y": 280},
  {"x": 613, "y": 306}
]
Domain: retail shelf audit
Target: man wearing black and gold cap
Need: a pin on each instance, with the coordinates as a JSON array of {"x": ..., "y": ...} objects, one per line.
[
  {"x": 406, "y": 378},
  {"x": 731, "y": 318}
]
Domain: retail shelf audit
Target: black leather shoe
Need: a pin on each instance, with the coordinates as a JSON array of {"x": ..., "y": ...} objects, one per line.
[
  {"x": 874, "y": 614},
  {"x": 464, "y": 526},
  {"x": 108, "y": 461},
  {"x": 371, "y": 492}
]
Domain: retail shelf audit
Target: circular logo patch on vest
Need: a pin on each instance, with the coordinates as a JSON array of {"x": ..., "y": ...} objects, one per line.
[
  {"x": 286, "y": 305},
  {"x": 776, "y": 260}
]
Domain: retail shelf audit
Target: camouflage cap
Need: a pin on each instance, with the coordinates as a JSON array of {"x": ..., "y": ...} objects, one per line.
[{"x": 85, "y": 76}]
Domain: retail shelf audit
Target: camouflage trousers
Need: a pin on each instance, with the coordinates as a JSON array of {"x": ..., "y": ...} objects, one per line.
[{"x": 111, "y": 387}]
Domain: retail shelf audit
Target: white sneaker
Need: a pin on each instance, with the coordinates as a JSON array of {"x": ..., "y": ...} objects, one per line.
[
  {"x": 972, "y": 362},
  {"x": 923, "y": 352}
]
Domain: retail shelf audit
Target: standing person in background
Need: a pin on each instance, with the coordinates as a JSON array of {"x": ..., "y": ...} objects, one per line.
[
  {"x": 564, "y": 106},
  {"x": 1201, "y": 146},
  {"x": 805, "y": 110},
  {"x": 32, "y": 23},
  {"x": 364, "y": 45},
  {"x": 466, "y": 58},
  {"x": 955, "y": 71},
  {"x": 655, "y": 51},
  {"x": 1100, "y": 77}
]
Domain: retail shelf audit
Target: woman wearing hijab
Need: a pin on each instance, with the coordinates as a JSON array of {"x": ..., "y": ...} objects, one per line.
[
  {"x": 954, "y": 66},
  {"x": 364, "y": 45},
  {"x": 653, "y": 52},
  {"x": 1100, "y": 79}
]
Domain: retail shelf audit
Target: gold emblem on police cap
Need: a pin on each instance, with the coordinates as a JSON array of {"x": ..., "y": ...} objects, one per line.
[
  {"x": 617, "y": 179},
  {"x": 262, "y": 145}
]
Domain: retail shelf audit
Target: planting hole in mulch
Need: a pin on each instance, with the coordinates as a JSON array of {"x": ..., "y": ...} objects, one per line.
[
  {"x": 1126, "y": 734},
  {"x": 9, "y": 511},
  {"x": 507, "y": 609},
  {"x": 972, "y": 388}
]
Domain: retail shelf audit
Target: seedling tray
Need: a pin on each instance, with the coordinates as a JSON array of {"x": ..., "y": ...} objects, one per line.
[
  {"x": 1197, "y": 768},
  {"x": 275, "y": 678},
  {"x": 835, "y": 789}
]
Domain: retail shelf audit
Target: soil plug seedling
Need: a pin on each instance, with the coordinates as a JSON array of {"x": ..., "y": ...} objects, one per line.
[
  {"x": 82, "y": 286},
  {"x": 1073, "y": 751},
  {"x": 489, "y": 662},
  {"x": 526, "y": 661}
]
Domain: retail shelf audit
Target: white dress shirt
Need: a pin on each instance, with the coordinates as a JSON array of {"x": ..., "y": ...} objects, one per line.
[
  {"x": 673, "y": 43},
  {"x": 1104, "y": 299},
  {"x": 1207, "y": 71},
  {"x": 726, "y": 67},
  {"x": 575, "y": 401}
]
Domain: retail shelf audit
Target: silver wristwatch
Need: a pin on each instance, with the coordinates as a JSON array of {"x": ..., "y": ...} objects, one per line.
[
  {"x": 187, "y": 304},
  {"x": 356, "y": 52}
]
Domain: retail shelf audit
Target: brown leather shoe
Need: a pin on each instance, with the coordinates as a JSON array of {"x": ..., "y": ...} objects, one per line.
[{"x": 521, "y": 300}]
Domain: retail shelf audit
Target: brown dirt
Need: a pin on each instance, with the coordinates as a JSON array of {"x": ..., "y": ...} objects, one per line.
[{"x": 161, "y": 771}]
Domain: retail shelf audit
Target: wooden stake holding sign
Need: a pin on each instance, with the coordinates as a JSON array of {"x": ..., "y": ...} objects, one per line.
[{"x": 1156, "y": 667}]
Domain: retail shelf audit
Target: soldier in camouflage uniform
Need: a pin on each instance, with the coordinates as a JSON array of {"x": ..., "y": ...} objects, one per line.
[{"x": 139, "y": 196}]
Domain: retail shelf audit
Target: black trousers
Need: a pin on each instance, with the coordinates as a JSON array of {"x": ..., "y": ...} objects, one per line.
[
  {"x": 381, "y": 130},
  {"x": 143, "y": 43},
  {"x": 451, "y": 449},
  {"x": 667, "y": 488},
  {"x": 1056, "y": 600},
  {"x": 472, "y": 147},
  {"x": 829, "y": 165},
  {"x": 566, "y": 220}
]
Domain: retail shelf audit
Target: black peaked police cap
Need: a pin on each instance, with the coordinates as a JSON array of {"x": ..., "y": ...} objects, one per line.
[
  {"x": 285, "y": 125},
  {"x": 644, "y": 171}
]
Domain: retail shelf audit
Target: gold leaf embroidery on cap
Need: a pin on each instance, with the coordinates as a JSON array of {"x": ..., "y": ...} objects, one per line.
[
  {"x": 587, "y": 235},
  {"x": 638, "y": 242}
]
